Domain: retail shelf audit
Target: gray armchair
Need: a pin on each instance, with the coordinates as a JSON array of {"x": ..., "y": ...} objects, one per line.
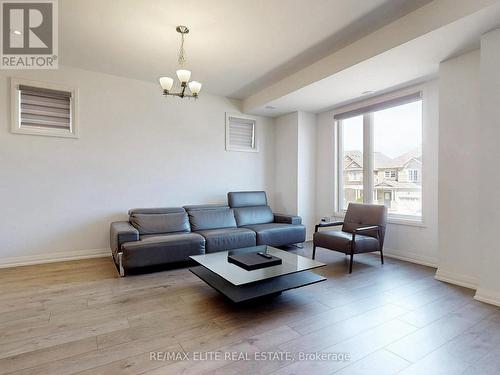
[{"x": 363, "y": 231}]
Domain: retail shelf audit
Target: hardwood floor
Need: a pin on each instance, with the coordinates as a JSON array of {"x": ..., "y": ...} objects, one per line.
[{"x": 80, "y": 317}]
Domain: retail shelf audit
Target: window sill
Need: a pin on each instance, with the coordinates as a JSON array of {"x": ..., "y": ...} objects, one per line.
[
  {"x": 407, "y": 222},
  {"x": 390, "y": 220}
]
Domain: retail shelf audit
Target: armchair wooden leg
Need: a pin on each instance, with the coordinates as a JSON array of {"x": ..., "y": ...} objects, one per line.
[
  {"x": 382, "y": 256},
  {"x": 314, "y": 251},
  {"x": 350, "y": 262}
]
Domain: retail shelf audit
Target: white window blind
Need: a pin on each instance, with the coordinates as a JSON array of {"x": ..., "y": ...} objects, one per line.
[
  {"x": 44, "y": 108},
  {"x": 379, "y": 106},
  {"x": 240, "y": 134}
]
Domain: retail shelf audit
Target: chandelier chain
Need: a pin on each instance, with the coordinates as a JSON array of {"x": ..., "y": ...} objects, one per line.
[{"x": 182, "y": 58}]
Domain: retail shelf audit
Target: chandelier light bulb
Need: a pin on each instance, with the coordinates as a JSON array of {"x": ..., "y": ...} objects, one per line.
[
  {"x": 195, "y": 87},
  {"x": 183, "y": 75},
  {"x": 166, "y": 83}
]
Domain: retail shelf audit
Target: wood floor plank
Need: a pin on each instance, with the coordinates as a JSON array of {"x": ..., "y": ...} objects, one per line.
[
  {"x": 324, "y": 319},
  {"x": 66, "y": 336},
  {"x": 462, "y": 352},
  {"x": 357, "y": 347},
  {"x": 137, "y": 349},
  {"x": 380, "y": 362},
  {"x": 489, "y": 365},
  {"x": 343, "y": 330},
  {"x": 424, "y": 341},
  {"x": 39, "y": 357},
  {"x": 435, "y": 310},
  {"x": 137, "y": 364}
]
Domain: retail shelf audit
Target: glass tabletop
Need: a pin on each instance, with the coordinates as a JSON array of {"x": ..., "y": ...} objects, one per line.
[{"x": 291, "y": 263}]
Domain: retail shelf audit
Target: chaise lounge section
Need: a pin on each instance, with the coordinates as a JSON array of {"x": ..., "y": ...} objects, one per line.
[{"x": 252, "y": 212}]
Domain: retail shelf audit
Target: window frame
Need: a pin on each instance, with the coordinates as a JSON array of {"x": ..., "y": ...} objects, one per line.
[
  {"x": 15, "y": 94},
  {"x": 368, "y": 142}
]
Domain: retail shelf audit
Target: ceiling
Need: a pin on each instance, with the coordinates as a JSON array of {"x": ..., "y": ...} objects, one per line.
[
  {"x": 235, "y": 47},
  {"x": 410, "y": 63}
]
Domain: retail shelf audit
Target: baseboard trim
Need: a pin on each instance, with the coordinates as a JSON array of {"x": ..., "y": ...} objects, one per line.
[
  {"x": 487, "y": 296},
  {"x": 411, "y": 258},
  {"x": 456, "y": 279},
  {"x": 53, "y": 257}
]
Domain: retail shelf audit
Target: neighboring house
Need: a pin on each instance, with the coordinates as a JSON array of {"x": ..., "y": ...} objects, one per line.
[{"x": 398, "y": 181}]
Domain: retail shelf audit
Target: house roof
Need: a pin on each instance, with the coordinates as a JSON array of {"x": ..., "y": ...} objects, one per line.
[
  {"x": 397, "y": 184},
  {"x": 402, "y": 160},
  {"x": 382, "y": 161}
]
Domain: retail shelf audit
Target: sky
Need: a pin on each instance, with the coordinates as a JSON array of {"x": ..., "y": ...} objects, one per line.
[{"x": 397, "y": 130}]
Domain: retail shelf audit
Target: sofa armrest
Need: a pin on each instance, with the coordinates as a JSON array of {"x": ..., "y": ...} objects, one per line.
[
  {"x": 287, "y": 219},
  {"x": 121, "y": 232}
]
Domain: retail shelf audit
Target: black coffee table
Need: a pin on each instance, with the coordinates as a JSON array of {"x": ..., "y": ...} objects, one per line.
[{"x": 240, "y": 285}]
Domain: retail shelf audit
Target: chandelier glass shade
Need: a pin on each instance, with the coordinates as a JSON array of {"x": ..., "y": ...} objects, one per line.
[{"x": 183, "y": 75}]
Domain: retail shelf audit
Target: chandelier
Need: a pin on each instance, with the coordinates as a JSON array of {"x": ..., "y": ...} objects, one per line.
[{"x": 183, "y": 75}]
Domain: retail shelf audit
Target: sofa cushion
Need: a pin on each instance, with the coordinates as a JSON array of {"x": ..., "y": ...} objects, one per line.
[
  {"x": 253, "y": 215},
  {"x": 160, "y": 223},
  {"x": 161, "y": 249},
  {"x": 227, "y": 238},
  {"x": 211, "y": 218},
  {"x": 341, "y": 241},
  {"x": 275, "y": 234},
  {"x": 246, "y": 198}
]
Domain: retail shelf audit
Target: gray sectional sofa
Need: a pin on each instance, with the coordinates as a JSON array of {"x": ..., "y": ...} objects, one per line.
[{"x": 157, "y": 236}]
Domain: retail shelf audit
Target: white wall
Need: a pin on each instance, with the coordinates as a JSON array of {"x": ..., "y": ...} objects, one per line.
[
  {"x": 326, "y": 165},
  {"x": 489, "y": 198},
  {"x": 295, "y": 159},
  {"x": 409, "y": 242},
  {"x": 136, "y": 149},
  {"x": 286, "y": 160},
  {"x": 469, "y": 212},
  {"x": 459, "y": 176},
  {"x": 306, "y": 193}
]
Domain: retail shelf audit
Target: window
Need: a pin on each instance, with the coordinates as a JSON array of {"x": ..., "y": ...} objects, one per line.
[
  {"x": 240, "y": 134},
  {"x": 397, "y": 136},
  {"x": 390, "y": 134},
  {"x": 352, "y": 160},
  {"x": 354, "y": 176},
  {"x": 43, "y": 109},
  {"x": 413, "y": 175},
  {"x": 390, "y": 174}
]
